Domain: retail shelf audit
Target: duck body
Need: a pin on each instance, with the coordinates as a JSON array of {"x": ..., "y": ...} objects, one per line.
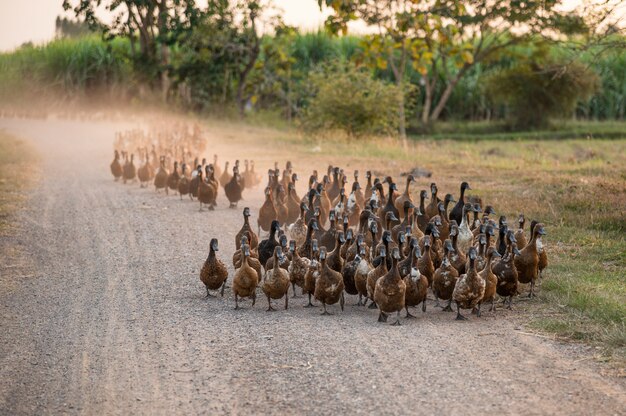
[
  {"x": 246, "y": 228},
  {"x": 233, "y": 190},
  {"x": 245, "y": 281},
  {"x": 491, "y": 280},
  {"x": 470, "y": 287},
  {"x": 328, "y": 285},
  {"x": 527, "y": 262},
  {"x": 297, "y": 267},
  {"x": 276, "y": 282},
  {"x": 445, "y": 277},
  {"x": 213, "y": 273},
  {"x": 416, "y": 285},
  {"x": 507, "y": 275},
  {"x": 129, "y": 171},
  {"x": 116, "y": 166},
  {"x": 266, "y": 247},
  {"x": 390, "y": 291}
]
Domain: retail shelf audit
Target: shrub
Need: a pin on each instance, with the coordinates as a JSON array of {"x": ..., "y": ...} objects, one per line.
[
  {"x": 350, "y": 99},
  {"x": 534, "y": 93}
]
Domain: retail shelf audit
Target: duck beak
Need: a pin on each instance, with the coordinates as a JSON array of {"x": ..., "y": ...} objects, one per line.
[
  {"x": 542, "y": 231},
  {"x": 516, "y": 251}
]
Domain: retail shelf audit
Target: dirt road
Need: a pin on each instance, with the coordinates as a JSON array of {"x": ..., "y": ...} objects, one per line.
[{"x": 102, "y": 312}]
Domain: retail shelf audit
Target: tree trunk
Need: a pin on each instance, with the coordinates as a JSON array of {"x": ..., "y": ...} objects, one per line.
[
  {"x": 428, "y": 101},
  {"x": 447, "y": 93}
]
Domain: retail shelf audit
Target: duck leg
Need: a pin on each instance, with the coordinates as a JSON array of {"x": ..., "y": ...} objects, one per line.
[
  {"x": 397, "y": 323},
  {"x": 293, "y": 285},
  {"x": 448, "y": 307},
  {"x": 310, "y": 304},
  {"x": 382, "y": 317},
  {"x": 459, "y": 317},
  {"x": 437, "y": 301},
  {"x": 532, "y": 289},
  {"x": 510, "y": 307},
  {"x": 408, "y": 314},
  {"x": 424, "y": 306},
  {"x": 325, "y": 311},
  {"x": 253, "y": 298},
  {"x": 373, "y": 305},
  {"x": 223, "y": 286},
  {"x": 286, "y": 301},
  {"x": 342, "y": 301},
  {"x": 236, "y": 302},
  {"x": 478, "y": 310},
  {"x": 269, "y": 305}
]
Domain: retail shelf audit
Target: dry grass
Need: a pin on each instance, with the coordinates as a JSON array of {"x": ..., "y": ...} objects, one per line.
[{"x": 16, "y": 175}]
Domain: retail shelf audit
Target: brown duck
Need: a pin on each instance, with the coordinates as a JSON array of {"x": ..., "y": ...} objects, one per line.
[
  {"x": 213, "y": 273},
  {"x": 328, "y": 285}
]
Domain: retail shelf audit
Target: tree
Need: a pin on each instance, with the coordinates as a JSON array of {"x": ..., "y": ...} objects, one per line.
[
  {"x": 448, "y": 37},
  {"x": 156, "y": 23}
]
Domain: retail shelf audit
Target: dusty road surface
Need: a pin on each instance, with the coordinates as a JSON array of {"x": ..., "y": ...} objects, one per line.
[{"x": 102, "y": 312}]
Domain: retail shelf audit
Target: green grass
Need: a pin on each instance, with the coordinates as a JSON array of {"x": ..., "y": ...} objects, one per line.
[{"x": 16, "y": 175}]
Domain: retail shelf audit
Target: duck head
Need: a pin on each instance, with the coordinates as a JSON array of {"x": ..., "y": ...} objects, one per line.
[
  {"x": 313, "y": 224},
  {"x": 292, "y": 246},
  {"x": 246, "y": 212},
  {"x": 323, "y": 254},
  {"x": 275, "y": 226},
  {"x": 447, "y": 245},
  {"x": 214, "y": 245}
]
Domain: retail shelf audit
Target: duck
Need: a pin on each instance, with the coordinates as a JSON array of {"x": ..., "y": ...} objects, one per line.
[
  {"x": 501, "y": 242},
  {"x": 506, "y": 272},
  {"x": 284, "y": 260},
  {"x": 267, "y": 213},
  {"x": 172, "y": 179},
  {"x": 390, "y": 290},
  {"x": 206, "y": 193},
  {"x": 333, "y": 191},
  {"x": 390, "y": 208},
  {"x": 246, "y": 228},
  {"x": 519, "y": 233},
  {"x": 280, "y": 202},
  {"x": 476, "y": 209},
  {"x": 129, "y": 171},
  {"x": 225, "y": 177},
  {"x": 465, "y": 236},
  {"x": 457, "y": 211},
  {"x": 349, "y": 272},
  {"x": 432, "y": 208},
  {"x": 404, "y": 266},
  {"x": 116, "y": 166},
  {"x": 312, "y": 273},
  {"x": 527, "y": 262},
  {"x": 267, "y": 246},
  {"x": 491, "y": 280},
  {"x": 276, "y": 282},
  {"x": 195, "y": 182},
  {"x": 407, "y": 219},
  {"x": 469, "y": 288},
  {"x": 361, "y": 273},
  {"x": 305, "y": 248},
  {"x": 298, "y": 267},
  {"x": 329, "y": 238},
  {"x": 245, "y": 279},
  {"x": 445, "y": 277},
  {"x": 374, "y": 274},
  {"x": 436, "y": 247},
  {"x": 233, "y": 189},
  {"x": 541, "y": 249},
  {"x": 421, "y": 219},
  {"x": 328, "y": 285},
  {"x": 369, "y": 189},
  {"x": 425, "y": 262},
  {"x": 324, "y": 201},
  {"x": 401, "y": 201},
  {"x": 357, "y": 190},
  {"x": 213, "y": 273},
  {"x": 293, "y": 204},
  {"x": 333, "y": 259},
  {"x": 444, "y": 228},
  {"x": 416, "y": 284},
  {"x": 298, "y": 229},
  {"x": 144, "y": 173},
  {"x": 160, "y": 179},
  {"x": 446, "y": 202},
  {"x": 210, "y": 179},
  {"x": 253, "y": 257},
  {"x": 183, "y": 183},
  {"x": 216, "y": 167},
  {"x": 457, "y": 258},
  {"x": 342, "y": 187}
]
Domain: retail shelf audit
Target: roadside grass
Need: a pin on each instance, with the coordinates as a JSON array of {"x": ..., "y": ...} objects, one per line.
[{"x": 16, "y": 176}]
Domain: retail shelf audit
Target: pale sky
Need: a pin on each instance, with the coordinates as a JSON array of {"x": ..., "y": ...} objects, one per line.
[{"x": 33, "y": 20}]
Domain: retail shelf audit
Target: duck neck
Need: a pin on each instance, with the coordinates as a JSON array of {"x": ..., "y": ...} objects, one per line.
[
  {"x": 246, "y": 222},
  {"x": 462, "y": 197},
  {"x": 406, "y": 189},
  {"x": 390, "y": 196},
  {"x": 422, "y": 207}
]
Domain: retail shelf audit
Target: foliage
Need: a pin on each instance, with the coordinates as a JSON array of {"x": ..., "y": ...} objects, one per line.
[
  {"x": 349, "y": 99},
  {"x": 536, "y": 92},
  {"x": 68, "y": 28}
]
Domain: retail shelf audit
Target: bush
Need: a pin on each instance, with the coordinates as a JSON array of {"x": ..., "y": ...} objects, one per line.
[
  {"x": 534, "y": 93},
  {"x": 350, "y": 99}
]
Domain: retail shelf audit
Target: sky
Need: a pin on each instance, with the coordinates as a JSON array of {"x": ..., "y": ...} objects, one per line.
[{"x": 33, "y": 20}]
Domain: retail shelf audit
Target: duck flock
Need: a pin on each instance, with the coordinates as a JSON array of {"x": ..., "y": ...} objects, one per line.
[{"x": 372, "y": 241}]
